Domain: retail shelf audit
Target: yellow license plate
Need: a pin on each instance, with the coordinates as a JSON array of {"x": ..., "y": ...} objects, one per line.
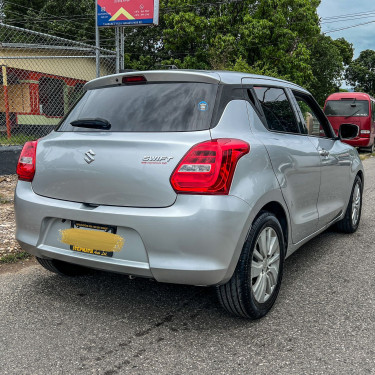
[
  {"x": 95, "y": 232},
  {"x": 91, "y": 251}
]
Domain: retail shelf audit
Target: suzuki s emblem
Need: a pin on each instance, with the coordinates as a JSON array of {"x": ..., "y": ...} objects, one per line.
[{"x": 89, "y": 156}]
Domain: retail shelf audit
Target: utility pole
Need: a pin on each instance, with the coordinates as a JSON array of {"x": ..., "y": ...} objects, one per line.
[{"x": 6, "y": 100}]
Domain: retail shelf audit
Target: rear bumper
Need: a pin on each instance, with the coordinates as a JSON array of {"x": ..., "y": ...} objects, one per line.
[
  {"x": 359, "y": 142},
  {"x": 192, "y": 242}
]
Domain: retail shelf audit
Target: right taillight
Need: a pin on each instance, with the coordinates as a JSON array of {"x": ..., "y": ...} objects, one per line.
[
  {"x": 208, "y": 167},
  {"x": 26, "y": 162},
  {"x": 366, "y": 132}
]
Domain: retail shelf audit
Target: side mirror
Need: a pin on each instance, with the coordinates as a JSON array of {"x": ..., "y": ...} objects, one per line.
[{"x": 348, "y": 131}]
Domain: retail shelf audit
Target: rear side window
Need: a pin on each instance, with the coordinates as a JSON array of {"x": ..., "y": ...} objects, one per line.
[
  {"x": 312, "y": 121},
  {"x": 277, "y": 109},
  {"x": 151, "y": 107}
]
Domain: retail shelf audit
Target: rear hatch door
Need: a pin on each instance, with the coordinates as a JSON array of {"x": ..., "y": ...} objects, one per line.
[{"x": 153, "y": 125}]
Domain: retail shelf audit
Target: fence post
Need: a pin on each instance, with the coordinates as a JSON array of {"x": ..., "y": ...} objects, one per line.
[
  {"x": 117, "y": 40},
  {"x": 6, "y": 100},
  {"x": 122, "y": 57},
  {"x": 97, "y": 42}
]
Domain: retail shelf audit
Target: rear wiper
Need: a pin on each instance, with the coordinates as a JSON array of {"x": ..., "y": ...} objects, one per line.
[
  {"x": 92, "y": 123},
  {"x": 353, "y": 113}
]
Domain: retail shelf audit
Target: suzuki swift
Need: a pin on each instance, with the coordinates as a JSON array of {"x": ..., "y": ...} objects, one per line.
[{"x": 190, "y": 177}]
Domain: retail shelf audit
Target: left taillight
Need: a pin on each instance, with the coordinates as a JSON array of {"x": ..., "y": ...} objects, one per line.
[
  {"x": 208, "y": 167},
  {"x": 26, "y": 162}
]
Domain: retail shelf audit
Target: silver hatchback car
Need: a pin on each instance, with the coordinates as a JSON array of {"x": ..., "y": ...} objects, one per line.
[{"x": 191, "y": 177}]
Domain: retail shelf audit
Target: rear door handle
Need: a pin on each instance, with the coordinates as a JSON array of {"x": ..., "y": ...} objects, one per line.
[{"x": 323, "y": 152}]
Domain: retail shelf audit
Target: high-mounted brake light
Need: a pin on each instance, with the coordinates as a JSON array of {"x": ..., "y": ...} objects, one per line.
[
  {"x": 26, "y": 162},
  {"x": 133, "y": 79},
  {"x": 208, "y": 167}
]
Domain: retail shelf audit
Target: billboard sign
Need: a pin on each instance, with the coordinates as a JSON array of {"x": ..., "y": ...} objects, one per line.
[{"x": 127, "y": 12}]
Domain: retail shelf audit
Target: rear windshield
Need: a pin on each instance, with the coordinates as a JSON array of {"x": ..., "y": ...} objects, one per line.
[
  {"x": 151, "y": 107},
  {"x": 347, "y": 108}
]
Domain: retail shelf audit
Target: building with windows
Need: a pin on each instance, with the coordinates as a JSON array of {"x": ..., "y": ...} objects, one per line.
[{"x": 39, "y": 83}]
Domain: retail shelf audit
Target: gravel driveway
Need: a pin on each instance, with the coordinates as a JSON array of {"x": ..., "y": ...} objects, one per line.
[
  {"x": 322, "y": 323},
  {"x": 8, "y": 243}
]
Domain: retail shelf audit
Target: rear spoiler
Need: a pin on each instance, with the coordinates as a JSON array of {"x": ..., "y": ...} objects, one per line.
[{"x": 155, "y": 76}]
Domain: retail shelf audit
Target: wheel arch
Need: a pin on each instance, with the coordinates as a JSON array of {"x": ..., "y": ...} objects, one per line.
[
  {"x": 278, "y": 210},
  {"x": 272, "y": 202},
  {"x": 361, "y": 175}
]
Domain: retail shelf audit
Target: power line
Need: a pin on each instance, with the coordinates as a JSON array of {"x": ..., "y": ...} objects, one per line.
[
  {"x": 38, "y": 11},
  {"x": 160, "y": 38},
  {"x": 348, "y": 15},
  {"x": 165, "y": 54},
  {"x": 88, "y": 15},
  {"x": 348, "y": 19},
  {"x": 67, "y": 18},
  {"x": 129, "y": 37},
  {"x": 57, "y": 32},
  {"x": 194, "y": 6},
  {"x": 64, "y": 40},
  {"x": 348, "y": 27}
]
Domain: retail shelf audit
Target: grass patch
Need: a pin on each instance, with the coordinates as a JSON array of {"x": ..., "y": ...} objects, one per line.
[
  {"x": 4, "y": 200},
  {"x": 365, "y": 156},
  {"x": 16, "y": 139},
  {"x": 14, "y": 258}
]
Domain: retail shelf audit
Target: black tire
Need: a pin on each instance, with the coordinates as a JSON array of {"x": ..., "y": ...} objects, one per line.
[
  {"x": 237, "y": 295},
  {"x": 346, "y": 225},
  {"x": 369, "y": 149},
  {"x": 63, "y": 268}
]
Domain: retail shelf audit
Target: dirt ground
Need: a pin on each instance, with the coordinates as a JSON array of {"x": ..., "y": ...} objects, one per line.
[{"x": 8, "y": 243}]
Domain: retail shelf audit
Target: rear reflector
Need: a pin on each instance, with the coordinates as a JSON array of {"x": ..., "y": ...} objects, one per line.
[
  {"x": 208, "y": 167},
  {"x": 133, "y": 79},
  {"x": 26, "y": 162}
]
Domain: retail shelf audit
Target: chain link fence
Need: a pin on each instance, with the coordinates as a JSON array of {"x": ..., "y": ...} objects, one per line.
[{"x": 41, "y": 77}]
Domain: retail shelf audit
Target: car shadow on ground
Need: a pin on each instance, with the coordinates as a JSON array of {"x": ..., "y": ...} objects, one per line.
[{"x": 151, "y": 304}]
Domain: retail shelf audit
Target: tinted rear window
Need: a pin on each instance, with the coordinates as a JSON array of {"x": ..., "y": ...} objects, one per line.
[
  {"x": 152, "y": 107},
  {"x": 347, "y": 108}
]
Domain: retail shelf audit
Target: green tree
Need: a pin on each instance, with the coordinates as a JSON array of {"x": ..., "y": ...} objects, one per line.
[
  {"x": 280, "y": 38},
  {"x": 270, "y": 36},
  {"x": 361, "y": 72},
  {"x": 277, "y": 36},
  {"x": 328, "y": 60}
]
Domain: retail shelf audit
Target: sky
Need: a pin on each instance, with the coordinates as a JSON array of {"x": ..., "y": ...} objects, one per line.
[{"x": 337, "y": 14}]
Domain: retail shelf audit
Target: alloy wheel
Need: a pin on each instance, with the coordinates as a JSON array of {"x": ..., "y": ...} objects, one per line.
[
  {"x": 356, "y": 204},
  {"x": 265, "y": 264}
]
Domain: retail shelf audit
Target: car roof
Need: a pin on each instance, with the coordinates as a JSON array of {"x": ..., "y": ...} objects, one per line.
[
  {"x": 179, "y": 75},
  {"x": 350, "y": 95}
]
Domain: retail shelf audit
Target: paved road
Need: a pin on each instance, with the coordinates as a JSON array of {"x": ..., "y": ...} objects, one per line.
[{"x": 323, "y": 322}]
